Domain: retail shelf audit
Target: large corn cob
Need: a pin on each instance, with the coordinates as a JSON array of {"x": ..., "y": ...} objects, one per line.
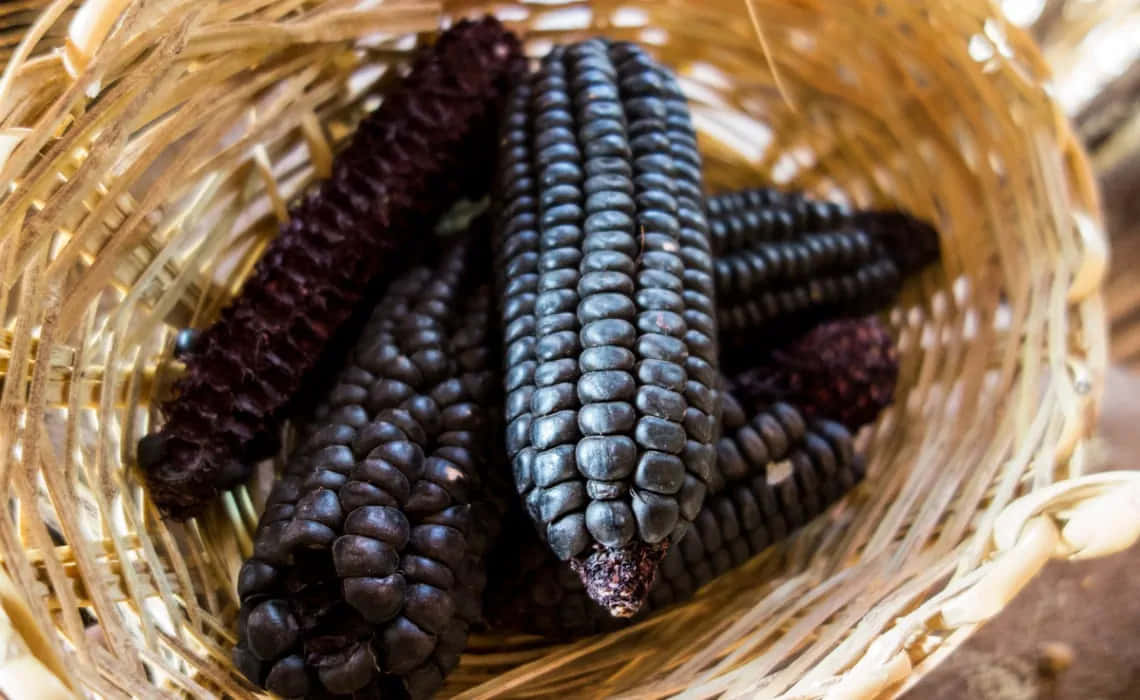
[
  {"x": 608, "y": 312},
  {"x": 406, "y": 161},
  {"x": 368, "y": 564},
  {"x": 844, "y": 369},
  {"x": 781, "y": 476}
]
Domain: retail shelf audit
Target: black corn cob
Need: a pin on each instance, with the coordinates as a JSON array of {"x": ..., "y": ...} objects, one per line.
[
  {"x": 775, "y": 316},
  {"x": 371, "y": 580},
  {"x": 608, "y": 312},
  {"x": 912, "y": 243},
  {"x": 752, "y": 438},
  {"x": 786, "y": 263},
  {"x": 776, "y": 265},
  {"x": 409, "y": 158},
  {"x": 284, "y": 593},
  {"x": 844, "y": 369},
  {"x": 782, "y": 476},
  {"x": 742, "y": 219}
]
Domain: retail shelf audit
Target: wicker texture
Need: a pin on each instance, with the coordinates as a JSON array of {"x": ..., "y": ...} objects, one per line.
[{"x": 148, "y": 160}]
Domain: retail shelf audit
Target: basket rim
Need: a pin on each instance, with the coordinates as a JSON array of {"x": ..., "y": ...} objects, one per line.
[{"x": 1083, "y": 515}]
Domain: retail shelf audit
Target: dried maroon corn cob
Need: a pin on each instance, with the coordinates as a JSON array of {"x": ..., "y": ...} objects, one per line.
[
  {"x": 772, "y": 495},
  {"x": 608, "y": 312},
  {"x": 405, "y": 162},
  {"x": 386, "y": 540},
  {"x": 844, "y": 369}
]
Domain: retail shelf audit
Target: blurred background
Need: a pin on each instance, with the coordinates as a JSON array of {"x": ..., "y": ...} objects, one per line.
[{"x": 1072, "y": 633}]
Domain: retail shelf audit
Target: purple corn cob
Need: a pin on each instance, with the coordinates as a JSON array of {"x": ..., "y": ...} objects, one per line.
[
  {"x": 844, "y": 369},
  {"x": 408, "y": 160},
  {"x": 368, "y": 566}
]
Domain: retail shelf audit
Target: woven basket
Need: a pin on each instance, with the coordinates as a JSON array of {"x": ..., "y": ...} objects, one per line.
[{"x": 148, "y": 150}]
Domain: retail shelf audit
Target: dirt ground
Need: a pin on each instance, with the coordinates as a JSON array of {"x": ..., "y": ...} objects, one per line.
[
  {"x": 1074, "y": 632},
  {"x": 1071, "y": 635}
]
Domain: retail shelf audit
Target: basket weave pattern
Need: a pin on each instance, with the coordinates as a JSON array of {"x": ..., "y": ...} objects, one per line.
[{"x": 147, "y": 153}]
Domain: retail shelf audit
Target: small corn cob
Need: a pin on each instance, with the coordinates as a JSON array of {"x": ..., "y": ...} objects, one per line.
[
  {"x": 752, "y": 439},
  {"x": 786, "y": 263},
  {"x": 283, "y": 595},
  {"x": 844, "y": 369},
  {"x": 782, "y": 475},
  {"x": 407, "y": 159},
  {"x": 368, "y": 567},
  {"x": 608, "y": 312},
  {"x": 771, "y": 266},
  {"x": 774, "y": 316},
  {"x": 743, "y": 219}
]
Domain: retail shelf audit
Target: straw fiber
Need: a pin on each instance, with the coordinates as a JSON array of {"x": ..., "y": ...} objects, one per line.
[{"x": 149, "y": 148}]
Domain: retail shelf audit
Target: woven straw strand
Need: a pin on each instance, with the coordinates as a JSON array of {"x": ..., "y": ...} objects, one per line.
[{"x": 148, "y": 150}]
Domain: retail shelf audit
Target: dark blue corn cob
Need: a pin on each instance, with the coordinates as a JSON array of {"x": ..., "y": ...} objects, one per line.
[
  {"x": 367, "y": 570},
  {"x": 744, "y": 219},
  {"x": 776, "y": 473},
  {"x": 406, "y": 162},
  {"x": 776, "y": 316},
  {"x": 787, "y": 263},
  {"x": 741, "y": 219},
  {"x": 607, "y": 300},
  {"x": 772, "y": 266}
]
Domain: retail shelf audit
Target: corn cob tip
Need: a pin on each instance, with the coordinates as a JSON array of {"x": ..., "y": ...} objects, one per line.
[
  {"x": 619, "y": 578},
  {"x": 911, "y": 242}
]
